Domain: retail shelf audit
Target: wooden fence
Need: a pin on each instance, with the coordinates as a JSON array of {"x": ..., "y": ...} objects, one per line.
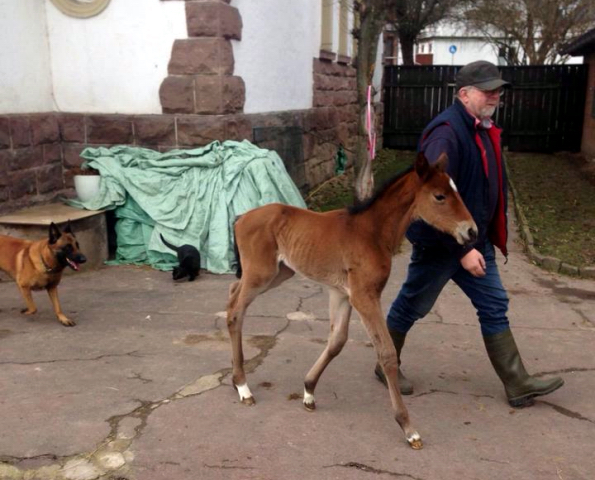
[{"x": 543, "y": 111}]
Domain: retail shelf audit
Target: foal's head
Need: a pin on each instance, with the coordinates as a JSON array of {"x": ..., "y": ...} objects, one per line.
[{"x": 438, "y": 203}]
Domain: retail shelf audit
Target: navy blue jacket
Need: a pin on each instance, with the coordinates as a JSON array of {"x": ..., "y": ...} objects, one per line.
[{"x": 467, "y": 166}]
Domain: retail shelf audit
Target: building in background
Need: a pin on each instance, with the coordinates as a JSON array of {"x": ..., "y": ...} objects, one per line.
[{"x": 449, "y": 43}]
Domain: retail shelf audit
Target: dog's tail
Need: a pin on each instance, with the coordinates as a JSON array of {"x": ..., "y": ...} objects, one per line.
[
  {"x": 236, "y": 251},
  {"x": 169, "y": 245}
]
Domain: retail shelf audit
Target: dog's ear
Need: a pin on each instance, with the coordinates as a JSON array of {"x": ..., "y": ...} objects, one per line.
[
  {"x": 68, "y": 228},
  {"x": 54, "y": 233}
]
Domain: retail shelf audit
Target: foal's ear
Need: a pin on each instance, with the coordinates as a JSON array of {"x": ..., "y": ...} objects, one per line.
[
  {"x": 442, "y": 163},
  {"x": 422, "y": 166}
]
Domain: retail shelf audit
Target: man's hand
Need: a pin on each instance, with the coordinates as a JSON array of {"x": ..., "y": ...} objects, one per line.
[{"x": 474, "y": 263}]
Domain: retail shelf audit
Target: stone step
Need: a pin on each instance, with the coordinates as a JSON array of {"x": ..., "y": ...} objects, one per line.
[{"x": 89, "y": 227}]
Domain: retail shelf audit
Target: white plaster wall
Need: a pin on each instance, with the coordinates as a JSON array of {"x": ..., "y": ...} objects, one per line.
[
  {"x": 25, "y": 79},
  {"x": 113, "y": 62},
  {"x": 280, "y": 39}
]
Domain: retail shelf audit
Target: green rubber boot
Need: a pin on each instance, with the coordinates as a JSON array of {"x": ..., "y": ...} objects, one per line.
[
  {"x": 521, "y": 388},
  {"x": 405, "y": 386}
]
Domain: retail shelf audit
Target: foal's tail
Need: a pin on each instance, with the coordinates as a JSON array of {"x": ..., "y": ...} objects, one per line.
[{"x": 236, "y": 251}]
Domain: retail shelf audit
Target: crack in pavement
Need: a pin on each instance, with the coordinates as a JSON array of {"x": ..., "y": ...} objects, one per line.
[
  {"x": 93, "y": 359},
  {"x": 566, "y": 412},
  {"x": 564, "y": 370},
  {"x": 43, "y": 456},
  {"x": 494, "y": 461},
  {"x": 366, "y": 468},
  {"x": 113, "y": 455},
  {"x": 587, "y": 322},
  {"x": 227, "y": 467},
  {"x": 563, "y": 411},
  {"x": 434, "y": 390},
  {"x": 138, "y": 376}
]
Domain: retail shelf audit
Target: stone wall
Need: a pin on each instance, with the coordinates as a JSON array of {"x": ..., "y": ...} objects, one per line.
[
  {"x": 38, "y": 150},
  {"x": 31, "y": 168}
]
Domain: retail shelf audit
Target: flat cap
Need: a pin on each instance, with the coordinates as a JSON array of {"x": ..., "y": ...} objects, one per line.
[{"x": 481, "y": 74}]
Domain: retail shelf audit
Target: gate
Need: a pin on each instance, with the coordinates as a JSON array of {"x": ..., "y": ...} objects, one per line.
[{"x": 543, "y": 111}]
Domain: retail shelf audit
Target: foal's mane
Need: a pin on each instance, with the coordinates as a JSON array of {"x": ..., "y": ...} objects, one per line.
[{"x": 360, "y": 207}]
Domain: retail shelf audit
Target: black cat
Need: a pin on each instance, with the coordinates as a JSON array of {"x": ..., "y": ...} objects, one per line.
[{"x": 189, "y": 259}]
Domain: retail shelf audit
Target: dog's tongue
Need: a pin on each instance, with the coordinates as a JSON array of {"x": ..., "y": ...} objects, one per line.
[{"x": 72, "y": 264}]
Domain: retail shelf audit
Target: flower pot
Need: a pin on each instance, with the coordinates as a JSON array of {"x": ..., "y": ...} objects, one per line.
[{"x": 86, "y": 186}]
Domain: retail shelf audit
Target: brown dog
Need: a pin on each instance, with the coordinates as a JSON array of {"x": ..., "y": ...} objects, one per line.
[{"x": 37, "y": 265}]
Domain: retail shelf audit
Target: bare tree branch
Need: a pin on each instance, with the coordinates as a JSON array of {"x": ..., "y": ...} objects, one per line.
[{"x": 535, "y": 29}]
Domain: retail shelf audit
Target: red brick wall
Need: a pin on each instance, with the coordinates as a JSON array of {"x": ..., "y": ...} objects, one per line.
[
  {"x": 38, "y": 150},
  {"x": 30, "y": 159},
  {"x": 334, "y": 120},
  {"x": 588, "y": 143}
]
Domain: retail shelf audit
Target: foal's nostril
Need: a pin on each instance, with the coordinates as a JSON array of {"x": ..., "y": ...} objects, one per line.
[{"x": 472, "y": 234}]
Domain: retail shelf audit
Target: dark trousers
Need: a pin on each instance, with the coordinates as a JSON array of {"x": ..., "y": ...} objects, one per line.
[{"x": 430, "y": 270}]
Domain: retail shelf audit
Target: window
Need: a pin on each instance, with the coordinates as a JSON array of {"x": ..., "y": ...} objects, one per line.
[{"x": 81, "y": 8}]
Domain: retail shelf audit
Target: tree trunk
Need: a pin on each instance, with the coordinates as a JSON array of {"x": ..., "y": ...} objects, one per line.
[
  {"x": 407, "y": 45},
  {"x": 371, "y": 20}
]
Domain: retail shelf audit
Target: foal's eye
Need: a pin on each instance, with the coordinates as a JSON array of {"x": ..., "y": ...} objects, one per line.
[{"x": 439, "y": 197}]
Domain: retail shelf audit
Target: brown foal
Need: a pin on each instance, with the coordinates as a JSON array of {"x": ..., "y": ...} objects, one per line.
[{"x": 349, "y": 251}]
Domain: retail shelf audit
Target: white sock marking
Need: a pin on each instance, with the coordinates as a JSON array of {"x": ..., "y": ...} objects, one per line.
[{"x": 244, "y": 391}]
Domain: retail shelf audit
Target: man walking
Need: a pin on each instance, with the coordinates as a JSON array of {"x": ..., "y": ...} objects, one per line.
[{"x": 466, "y": 132}]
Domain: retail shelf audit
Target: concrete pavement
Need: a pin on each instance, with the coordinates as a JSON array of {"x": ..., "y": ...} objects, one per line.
[{"x": 140, "y": 388}]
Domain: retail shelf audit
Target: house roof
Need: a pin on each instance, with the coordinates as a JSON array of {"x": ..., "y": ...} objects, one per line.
[{"x": 582, "y": 45}]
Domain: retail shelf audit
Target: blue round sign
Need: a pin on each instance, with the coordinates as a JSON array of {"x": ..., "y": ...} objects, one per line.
[{"x": 452, "y": 49}]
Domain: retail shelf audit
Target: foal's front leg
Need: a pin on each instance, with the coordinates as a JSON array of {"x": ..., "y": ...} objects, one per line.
[
  {"x": 236, "y": 309},
  {"x": 340, "y": 311},
  {"x": 369, "y": 310}
]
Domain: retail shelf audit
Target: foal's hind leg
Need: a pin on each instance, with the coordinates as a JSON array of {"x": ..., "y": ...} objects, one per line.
[
  {"x": 368, "y": 307},
  {"x": 340, "y": 311},
  {"x": 241, "y": 295}
]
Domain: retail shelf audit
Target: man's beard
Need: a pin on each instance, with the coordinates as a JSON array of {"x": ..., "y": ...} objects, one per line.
[{"x": 487, "y": 112}]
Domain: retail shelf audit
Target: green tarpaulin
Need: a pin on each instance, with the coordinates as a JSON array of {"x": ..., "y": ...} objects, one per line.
[{"x": 189, "y": 196}]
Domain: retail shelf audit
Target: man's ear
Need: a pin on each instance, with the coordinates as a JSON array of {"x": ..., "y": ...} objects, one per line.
[
  {"x": 54, "y": 233},
  {"x": 422, "y": 166}
]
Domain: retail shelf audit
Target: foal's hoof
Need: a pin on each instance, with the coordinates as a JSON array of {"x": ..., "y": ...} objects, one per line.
[
  {"x": 309, "y": 402},
  {"x": 415, "y": 441},
  {"x": 416, "y": 444},
  {"x": 245, "y": 394}
]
